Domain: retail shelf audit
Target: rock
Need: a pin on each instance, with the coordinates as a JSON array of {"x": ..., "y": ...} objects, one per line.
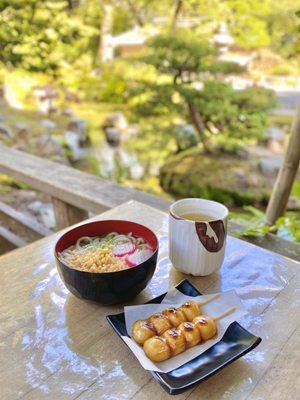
[
  {"x": 242, "y": 153},
  {"x": 18, "y": 198},
  {"x": 112, "y": 160},
  {"x": 270, "y": 165},
  {"x": 35, "y": 206},
  {"x": 45, "y": 96},
  {"x": 133, "y": 130},
  {"x": 5, "y": 131},
  {"x": 105, "y": 155},
  {"x": 228, "y": 179},
  {"x": 113, "y": 136},
  {"x": 275, "y": 134},
  {"x": 79, "y": 126},
  {"x": 240, "y": 174},
  {"x": 49, "y": 147},
  {"x": 48, "y": 124},
  {"x": 47, "y": 216},
  {"x": 186, "y": 137},
  {"x": 22, "y": 135},
  {"x": 72, "y": 141},
  {"x": 131, "y": 163},
  {"x": 20, "y": 126},
  {"x": 117, "y": 120},
  {"x": 68, "y": 112},
  {"x": 293, "y": 203},
  {"x": 44, "y": 212}
]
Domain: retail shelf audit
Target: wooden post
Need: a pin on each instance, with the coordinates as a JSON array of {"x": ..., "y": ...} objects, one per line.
[
  {"x": 66, "y": 214},
  {"x": 286, "y": 175}
]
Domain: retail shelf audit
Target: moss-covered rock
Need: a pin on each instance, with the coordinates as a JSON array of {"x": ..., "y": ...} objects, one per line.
[{"x": 230, "y": 179}]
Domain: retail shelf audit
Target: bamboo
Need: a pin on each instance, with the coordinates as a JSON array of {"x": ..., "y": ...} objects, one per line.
[
  {"x": 209, "y": 299},
  {"x": 224, "y": 314},
  {"x": 286, "y": 175}
]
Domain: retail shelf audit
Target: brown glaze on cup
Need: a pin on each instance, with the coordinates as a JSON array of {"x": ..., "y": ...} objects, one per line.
[{"x": 209, "y": 242}]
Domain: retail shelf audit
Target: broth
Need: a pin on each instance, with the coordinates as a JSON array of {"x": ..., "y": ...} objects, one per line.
[{"x": 198, "y": 217}]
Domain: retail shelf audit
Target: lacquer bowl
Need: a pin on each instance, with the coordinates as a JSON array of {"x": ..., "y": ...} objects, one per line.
[{"x": 109, "y": 287}]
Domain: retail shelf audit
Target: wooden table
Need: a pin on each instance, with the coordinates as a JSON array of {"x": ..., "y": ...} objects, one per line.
[{"x": 55, "y": 346}]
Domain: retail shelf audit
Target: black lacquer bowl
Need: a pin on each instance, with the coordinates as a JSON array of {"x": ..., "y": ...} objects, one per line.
[
  {"x": 109, "y": 287},
  {"x": 236, "y": 342}
]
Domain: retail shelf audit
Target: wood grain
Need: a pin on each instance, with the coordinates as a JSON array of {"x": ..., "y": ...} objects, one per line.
[
  {"x": 66, "y": 214},
  {"x": 72, "y": 186},
  {"x": 24, "y": 226}
]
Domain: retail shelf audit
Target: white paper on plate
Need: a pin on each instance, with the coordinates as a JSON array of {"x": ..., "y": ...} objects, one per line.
[{"x": 176, "y": 298}]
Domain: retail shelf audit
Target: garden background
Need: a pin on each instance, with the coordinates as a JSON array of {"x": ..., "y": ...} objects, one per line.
[{"x": 176, "y": 98}]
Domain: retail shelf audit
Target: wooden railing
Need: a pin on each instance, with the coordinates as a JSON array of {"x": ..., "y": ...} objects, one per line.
[{"x": 74, "y": 194}]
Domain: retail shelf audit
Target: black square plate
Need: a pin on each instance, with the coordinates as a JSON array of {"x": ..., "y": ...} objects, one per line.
[{"x": 236, "y": 342}]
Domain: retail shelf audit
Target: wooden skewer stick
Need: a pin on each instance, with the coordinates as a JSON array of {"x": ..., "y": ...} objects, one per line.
[
  {"x": 206, "y": 301},
  {"x": 224, "y": 314}
]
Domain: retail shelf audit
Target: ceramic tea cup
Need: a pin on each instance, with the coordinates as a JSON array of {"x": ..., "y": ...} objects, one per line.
[{"x": 197, "y": 235}]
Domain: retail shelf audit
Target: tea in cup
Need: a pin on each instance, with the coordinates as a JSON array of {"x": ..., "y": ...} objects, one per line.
[{"x": 197, "y": 235}]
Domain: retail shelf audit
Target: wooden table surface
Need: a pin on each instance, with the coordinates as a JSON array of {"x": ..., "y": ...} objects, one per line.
[{"x": 55, "y": 346}]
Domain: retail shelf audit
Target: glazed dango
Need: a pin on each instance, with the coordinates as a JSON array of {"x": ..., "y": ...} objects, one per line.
[
  {"x": 175, "y": 316},
  {"x": 142, "y": 330},
  {"x": 171, "y": 317},
  {"x": 157, "y": 349},
  {"x": 188, "y": 334},
  {"x": 191, "y": 333},
  {"x": 160, "y": 323},
  {"x": 191, "y": 310},
  {"x": 206, "y": 327},
  {"x": 176, "y": 341}
]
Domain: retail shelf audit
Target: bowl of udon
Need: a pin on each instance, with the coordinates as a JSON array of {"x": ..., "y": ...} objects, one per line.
[{"x": 108, "y": 261}]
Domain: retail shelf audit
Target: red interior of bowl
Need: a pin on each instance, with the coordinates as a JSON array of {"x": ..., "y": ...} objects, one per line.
[{"x": 99, "y": 228}]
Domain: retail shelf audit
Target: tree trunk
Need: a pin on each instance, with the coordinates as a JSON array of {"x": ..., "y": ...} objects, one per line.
[
  {"x": 178, "y": 8},
  {"x": 197, "y": 123},
  {"x": 135, "y": 12},
  {"x": 286, "y": 175}
]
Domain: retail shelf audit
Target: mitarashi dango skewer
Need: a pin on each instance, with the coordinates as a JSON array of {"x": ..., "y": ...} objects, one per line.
[
  {"x": 188, "y": 334},
  {"x": 171, "y": 317}
]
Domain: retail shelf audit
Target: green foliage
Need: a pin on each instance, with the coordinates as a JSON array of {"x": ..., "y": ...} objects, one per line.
[
  {"x": 255, "y": 222},
  {"x": 287, "y": 227},
  {"x": 122, "y": 19},
  {"x": 296, "y": 189},
  {"x": 41, "y": 35},
  {"x": 190, "y": 82},
  {"x": 283, "y": 28},
  {"x": 177, "y": 53},
  {"x": 248, "y": 24}
]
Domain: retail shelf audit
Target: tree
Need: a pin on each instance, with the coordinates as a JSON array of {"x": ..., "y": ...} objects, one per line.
[
  {"x": 191, "y": 83},
  {"x": 43, "y": 35}
]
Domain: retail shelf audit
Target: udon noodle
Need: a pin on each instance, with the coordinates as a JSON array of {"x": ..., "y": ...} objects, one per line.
[{"x": 107, "y": 253}]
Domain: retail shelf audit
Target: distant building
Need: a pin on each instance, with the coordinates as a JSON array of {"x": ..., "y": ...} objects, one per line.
[{"x": 128, "y": 42}]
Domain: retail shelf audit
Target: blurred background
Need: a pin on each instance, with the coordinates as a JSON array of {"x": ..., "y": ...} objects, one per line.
[{"x": 181, "y": 98}]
